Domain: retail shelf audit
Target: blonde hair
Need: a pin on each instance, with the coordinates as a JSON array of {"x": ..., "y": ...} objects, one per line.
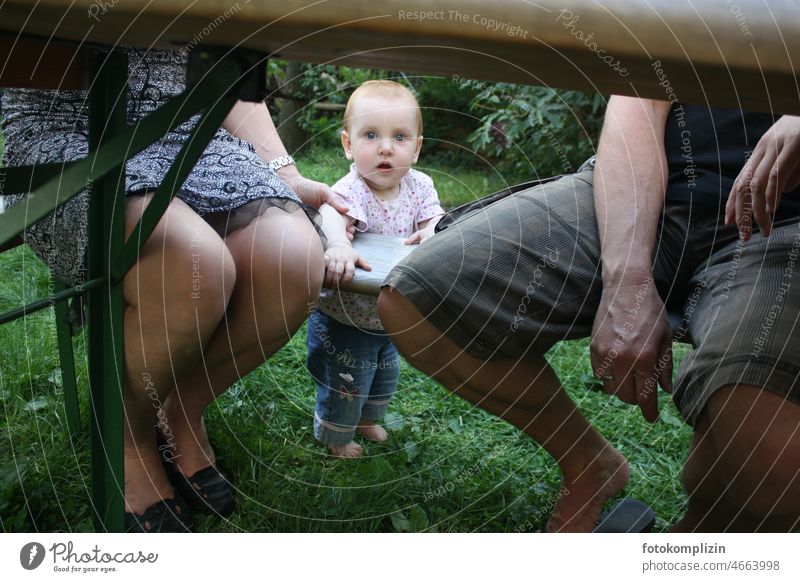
[{"x": 383, "y": 88}]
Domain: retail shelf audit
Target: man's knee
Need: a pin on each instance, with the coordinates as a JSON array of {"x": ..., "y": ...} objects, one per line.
[
  {"x": 756, "y": 434},
  {"x": 395, "y": 310},
  {"x": 418, "y": 341},
  {"x": 399, "y": 318}
]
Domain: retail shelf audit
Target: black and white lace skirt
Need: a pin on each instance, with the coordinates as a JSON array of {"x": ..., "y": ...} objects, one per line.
[{"x": 52, "y": 126}]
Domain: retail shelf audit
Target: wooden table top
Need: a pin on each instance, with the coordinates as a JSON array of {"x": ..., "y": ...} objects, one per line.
[
  {"x": 382, "y": 253},
  {"x": 737, "y": 53}
]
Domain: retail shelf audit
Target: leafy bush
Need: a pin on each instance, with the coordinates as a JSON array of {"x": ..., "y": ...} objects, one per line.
[
  {"x": 322, "y": 84},
  {"x": 536, "y": 131},
  {"x": 523, "y": 131}
]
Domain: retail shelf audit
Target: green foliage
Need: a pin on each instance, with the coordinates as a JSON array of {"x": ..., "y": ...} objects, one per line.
[
  {"x": 447, "y": 121},
  {"x": 518, "y": 131},
  {"x": 536, "y": 131},
  {"x": 329, "y": 84}
]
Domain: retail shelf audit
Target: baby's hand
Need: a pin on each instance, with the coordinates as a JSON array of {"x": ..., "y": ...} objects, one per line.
[
  {"x": 421, "y": 235},
  {"x": 341, "y": 261}
]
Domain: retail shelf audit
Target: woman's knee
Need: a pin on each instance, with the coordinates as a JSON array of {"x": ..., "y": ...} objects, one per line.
[
  {"x": 281, "y": 252},
  {"x": 302, "y": 255},
  {"x": 280, "y": 266},
  {"x": 183, "y": 267}
]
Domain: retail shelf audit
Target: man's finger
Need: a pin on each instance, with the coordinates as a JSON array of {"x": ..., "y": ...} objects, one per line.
[
  {"x": 730, "y": 207},
  {"x": 623, "y": 386},
  {"x": 665, "y": 366},
  {"x": 743, "y": 209},
  {"x": 647, "y": 395}
]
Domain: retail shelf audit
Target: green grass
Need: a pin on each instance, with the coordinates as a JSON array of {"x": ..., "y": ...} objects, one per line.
[{"x": 446, "y": 467}]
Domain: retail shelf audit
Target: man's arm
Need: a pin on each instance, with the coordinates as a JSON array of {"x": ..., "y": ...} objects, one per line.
[{"x": 631, "y": 339}]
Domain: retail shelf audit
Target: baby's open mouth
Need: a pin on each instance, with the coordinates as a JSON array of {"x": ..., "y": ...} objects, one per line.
[{"x": 385, "y": 166}]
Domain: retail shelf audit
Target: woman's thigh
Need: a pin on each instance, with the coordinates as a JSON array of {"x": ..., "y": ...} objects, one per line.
[
  {"x": 279, "y": 265},
  {"x": 183, "y": 268}
]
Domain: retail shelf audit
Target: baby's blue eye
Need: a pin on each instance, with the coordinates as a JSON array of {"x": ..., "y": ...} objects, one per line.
[
  {"x": 371, "y": 135},
  {"x": 400, "y": 137}
]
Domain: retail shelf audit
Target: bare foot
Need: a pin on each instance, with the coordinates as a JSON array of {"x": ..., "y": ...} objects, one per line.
[
  {"x": 349, "y": 451},
  {"x": 581, "y": 498},
  {"x": 372, "y": 431},
  {"x": 146, "y": 482}
]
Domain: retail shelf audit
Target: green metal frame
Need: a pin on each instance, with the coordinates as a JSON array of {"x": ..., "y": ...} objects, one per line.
[{"x": 225, "y": 77}]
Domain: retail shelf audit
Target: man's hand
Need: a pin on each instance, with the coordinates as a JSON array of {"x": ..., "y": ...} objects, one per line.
[
  {"x": 631, "y": 347},
  {"x": 773, "y": 168},
  {"x": 341, "y": 261}
]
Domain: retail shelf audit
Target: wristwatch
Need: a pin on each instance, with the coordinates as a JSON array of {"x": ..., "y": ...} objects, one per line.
[{"x": 281, "y": 162}]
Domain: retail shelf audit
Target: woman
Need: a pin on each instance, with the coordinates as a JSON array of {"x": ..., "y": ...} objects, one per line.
[{"x": 220, "y": 286}]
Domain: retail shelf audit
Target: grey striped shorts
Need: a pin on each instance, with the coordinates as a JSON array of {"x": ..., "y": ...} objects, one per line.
[{"x": 511, "y": 280}]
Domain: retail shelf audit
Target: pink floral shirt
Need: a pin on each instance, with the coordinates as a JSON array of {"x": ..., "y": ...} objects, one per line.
[{"x": 416, "y": 202}]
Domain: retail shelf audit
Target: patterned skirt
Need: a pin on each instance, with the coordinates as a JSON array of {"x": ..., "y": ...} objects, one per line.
[{"x": 52, "y": 126}]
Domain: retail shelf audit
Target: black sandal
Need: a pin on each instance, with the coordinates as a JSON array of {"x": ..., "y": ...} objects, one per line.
[
  {"x": 165, "y": 516},
  {"x": 207, "y": 491}
]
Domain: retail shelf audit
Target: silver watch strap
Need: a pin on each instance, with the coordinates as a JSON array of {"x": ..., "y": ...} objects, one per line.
[{"x": 281, "y": 162}]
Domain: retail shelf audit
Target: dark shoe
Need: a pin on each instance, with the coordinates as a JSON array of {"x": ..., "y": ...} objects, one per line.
[
  {"x": 165, "y": 516},
  {"x": 207, "y": 491},
  {"x": 627, "y": 516}
]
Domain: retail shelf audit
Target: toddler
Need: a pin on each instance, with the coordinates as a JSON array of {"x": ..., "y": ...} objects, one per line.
[{"x": 352, "y": 360}]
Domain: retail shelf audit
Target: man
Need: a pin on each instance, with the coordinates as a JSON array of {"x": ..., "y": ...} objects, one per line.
[{"x": 606, "y": 253}]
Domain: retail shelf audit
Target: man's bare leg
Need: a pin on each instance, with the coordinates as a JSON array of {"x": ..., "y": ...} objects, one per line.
[
  {"x": 743, "y": 473},
  {"x": 528, "y": 395}
]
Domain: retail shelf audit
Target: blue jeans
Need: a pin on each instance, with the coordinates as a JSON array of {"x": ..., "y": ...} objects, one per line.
[{"x": 356, "y": 375}]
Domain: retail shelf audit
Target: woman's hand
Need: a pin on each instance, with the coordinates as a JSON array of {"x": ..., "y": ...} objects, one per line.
[
  {"x": 341, "y": 261},
  {"x": 773, "y": 168},
  {"x": 311, "y": 192}
]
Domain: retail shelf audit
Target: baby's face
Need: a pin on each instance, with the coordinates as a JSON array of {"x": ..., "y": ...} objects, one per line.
[{"x": 382, "y": 140}]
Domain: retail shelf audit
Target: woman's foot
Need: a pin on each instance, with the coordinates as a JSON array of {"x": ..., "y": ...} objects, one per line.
[
  {"x": 581, "y": 498},
  {"x": 349, "y": 451},
  {"x": 151, "y": 504},
  {"x": 372, "y": 431},
  {"x": 191, "y": 463},
  {"x": 146, "y": 482}
]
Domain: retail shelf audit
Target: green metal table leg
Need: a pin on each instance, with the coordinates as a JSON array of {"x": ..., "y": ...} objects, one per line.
[
  {"x": 66, "y": 355},
  {"x": 107, "y": 117}
]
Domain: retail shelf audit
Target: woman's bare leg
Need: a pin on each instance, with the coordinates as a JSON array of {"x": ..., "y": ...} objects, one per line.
[
  {"x": 279, "y": 269},
  {"x": 167, "y": 324},
  {"x": 525, "y": 393}
]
